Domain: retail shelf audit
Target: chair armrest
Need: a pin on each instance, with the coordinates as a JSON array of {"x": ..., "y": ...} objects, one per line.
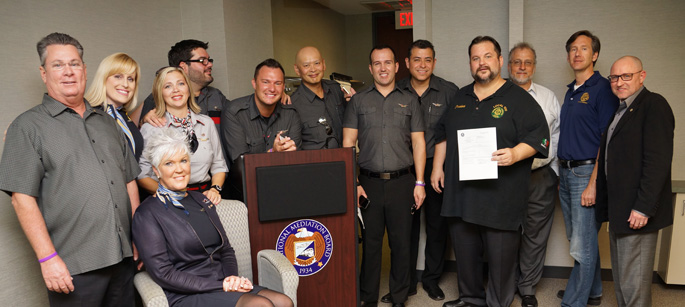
[
  {"x": 277, "y": 273},
  {"x": 151, "y": 293}
]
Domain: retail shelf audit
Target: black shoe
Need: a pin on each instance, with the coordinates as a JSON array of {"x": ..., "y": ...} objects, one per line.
[
  {"x": 592, "y": 301},
  {"x": 456, "y": 303},
  {"x": 388, "y": 299},
  {"x": 434, "y": 292},
  {"x": 529, "y": 301},
  {"x": 369, "y": 304}
]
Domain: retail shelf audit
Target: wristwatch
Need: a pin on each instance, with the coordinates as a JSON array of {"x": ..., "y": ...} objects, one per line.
[{"x": 217, "y": 187}]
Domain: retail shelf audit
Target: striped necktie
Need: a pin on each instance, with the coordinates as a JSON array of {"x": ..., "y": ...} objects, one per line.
[{"x": 124, "y": 127}]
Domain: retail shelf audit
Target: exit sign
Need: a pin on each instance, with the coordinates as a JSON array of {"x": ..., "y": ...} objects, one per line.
[{"x": 404, "y": 20}]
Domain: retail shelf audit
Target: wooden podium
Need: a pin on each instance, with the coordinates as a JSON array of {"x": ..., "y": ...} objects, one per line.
[{"x": 314, "y": 185}]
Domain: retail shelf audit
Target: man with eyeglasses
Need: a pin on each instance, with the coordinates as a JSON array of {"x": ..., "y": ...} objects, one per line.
[
  {"x": 71, "y": 176},
  {"x": 434, "y": 95},
  {"x": 543, "y": 177},
  {"x": 191, "y": 56},
  {"x": 388, "y": 123},
  {"x": 320, "y": 103},
  {"x": 634, "y": 180},
  {"x": 587, "y": 109}
]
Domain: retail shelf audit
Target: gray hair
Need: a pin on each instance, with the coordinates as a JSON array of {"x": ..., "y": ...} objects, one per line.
[
  {"x": 523, "y": 45},
  {"x": 163, "y": 143},
  {"x": 57, "y": 39}
]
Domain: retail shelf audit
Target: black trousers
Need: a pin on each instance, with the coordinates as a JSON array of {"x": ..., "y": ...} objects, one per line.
[
  {"x": 473, "y": 244},
  {"x": 110, "y": 286},
  {"x": 390, "y": 207},
  {"x": 436, "y": 235}
]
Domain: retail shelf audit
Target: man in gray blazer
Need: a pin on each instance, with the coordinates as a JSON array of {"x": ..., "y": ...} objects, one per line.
[{"x": 634, "y": 180}]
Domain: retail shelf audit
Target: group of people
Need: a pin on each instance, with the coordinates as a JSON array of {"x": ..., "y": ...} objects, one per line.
[{"x": 86, "y": 165}]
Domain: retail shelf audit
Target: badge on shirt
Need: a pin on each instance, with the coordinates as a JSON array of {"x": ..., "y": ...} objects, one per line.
[
  {"x": 402, "y": 105},
  {"x": 545, "y": 143},
  {"x": 498, "y": 111},
  {"x": 460, "y": 106},
  {"x": 585, "y": 98}
]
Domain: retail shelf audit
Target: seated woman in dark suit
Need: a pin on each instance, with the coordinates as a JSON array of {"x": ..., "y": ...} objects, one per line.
[{"x": 182, "y": 241}]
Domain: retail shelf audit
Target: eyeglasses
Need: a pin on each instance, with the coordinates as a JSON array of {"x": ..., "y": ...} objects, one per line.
[
  {"x": 193, "y": 143},
  {"x": 624, "y": 77},
  {"x": 525, "y": 63},
  {"x": 75, "y": 65},
  {"x": 203, "y": 61}
]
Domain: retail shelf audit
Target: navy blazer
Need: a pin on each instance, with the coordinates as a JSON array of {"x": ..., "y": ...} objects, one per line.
[
  {"x": 173, "y": 254},
  {"x": 638, "y": 166}
]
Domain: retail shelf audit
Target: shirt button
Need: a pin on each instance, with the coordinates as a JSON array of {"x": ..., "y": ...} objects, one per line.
[
  {"x": 385, "y": 142},
  {"x": 103, "y": 161},
  {"x": 115, "y": 206},
  {"x": 93, "y": 141},
  {"x": 571, "y": 98},
  {"x": 112, "y": 182}
]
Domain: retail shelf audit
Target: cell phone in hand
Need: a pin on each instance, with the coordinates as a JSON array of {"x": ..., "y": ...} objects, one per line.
[{"x": 363, "y": 202}]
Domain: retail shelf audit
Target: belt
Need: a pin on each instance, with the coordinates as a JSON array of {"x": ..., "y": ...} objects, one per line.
[
  {"x": 386, "y": 176},
  {"x": 575, "y": 163},
  {"x": 201, "y": 186}
]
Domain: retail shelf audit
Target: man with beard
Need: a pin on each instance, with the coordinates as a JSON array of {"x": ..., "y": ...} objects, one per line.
[
  {"x": 485, "y": 216},
  {"x": 543, "y": 178},
  {"x": 389, "y": 125},
  {"x": 320, "y": 103},
  {"x": 191, "y": 56}
]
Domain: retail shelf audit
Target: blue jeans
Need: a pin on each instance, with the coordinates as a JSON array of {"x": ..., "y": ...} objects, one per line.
[{"x": 581, "y": 230}]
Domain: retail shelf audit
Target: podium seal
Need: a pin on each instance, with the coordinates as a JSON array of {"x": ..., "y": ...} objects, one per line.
[{"x": 307, "y": 244}]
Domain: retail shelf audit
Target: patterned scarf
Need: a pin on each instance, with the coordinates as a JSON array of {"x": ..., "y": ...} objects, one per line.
[
  {"x": 187, "y": 125},
  {"x": 124, "y": 127},
  {"x": 173, "y": 197}
]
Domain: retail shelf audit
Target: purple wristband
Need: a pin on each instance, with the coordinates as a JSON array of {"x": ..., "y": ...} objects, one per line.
[
  {"x": 48, "y": 257},
  {"x": 420, "y": 184}
]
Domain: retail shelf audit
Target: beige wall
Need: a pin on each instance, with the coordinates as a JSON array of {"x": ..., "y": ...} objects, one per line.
[{"x": 649, "y": 30}]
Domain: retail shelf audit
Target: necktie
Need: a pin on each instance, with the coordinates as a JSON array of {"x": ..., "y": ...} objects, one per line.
[{"x": 124, "y": 127}]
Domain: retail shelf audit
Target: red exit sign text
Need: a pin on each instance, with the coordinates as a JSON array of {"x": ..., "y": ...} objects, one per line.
[{"x": 404, "y": 20}]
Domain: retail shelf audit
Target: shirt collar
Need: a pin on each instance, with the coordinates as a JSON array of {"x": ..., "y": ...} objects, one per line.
[
  {"x": 55, "y": 107},
  {"x": 589, "y": 82},
  {"x": 309, "y": 95},
  {"x": 405, "y": 84},
  {"x": 194, "y": 119},
  {"x": 254, "y": 111},
  {"x": 632, "y": 97}
]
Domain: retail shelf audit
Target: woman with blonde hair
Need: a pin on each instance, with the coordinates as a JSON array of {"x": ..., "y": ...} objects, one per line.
[
  {"x": 173, "y": 100},
  {"x": 115, "y": 90}
]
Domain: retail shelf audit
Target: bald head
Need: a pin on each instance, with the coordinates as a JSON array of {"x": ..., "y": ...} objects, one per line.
[
  {"x": 310, "y": 66},
  {"x": 626, "y": 67}
]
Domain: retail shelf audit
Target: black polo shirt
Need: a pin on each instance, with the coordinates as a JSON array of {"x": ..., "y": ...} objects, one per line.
[
  {"x": 434, "y": 102},
  {"x": 384, "y": 127},
  {"x": 311, "y": 108},
  {"x": 495, "y": 203},
  {"x": 244, "y": 130}
]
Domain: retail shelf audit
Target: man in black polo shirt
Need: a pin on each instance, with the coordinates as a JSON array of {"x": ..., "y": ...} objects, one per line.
[
  {"x": 259, "y": 122},
  {"x": 320, "y": 103},
  {"x": 388, "y": 123},
  {"x": 434, "y": 95},
  {"x": 485, "y": 216}
]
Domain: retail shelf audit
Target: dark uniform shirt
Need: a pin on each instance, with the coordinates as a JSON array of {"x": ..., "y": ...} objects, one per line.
[
  {"x": 495, "y": 203},
  {"x": 384, "y": 127},
  {"x": 584, "y": 116},
  {"x": 434, "y": 102},
  {"x": 77, "y": 168},
  {"x": 244, "y": 130},
  {"x": 311, "y": 108}
]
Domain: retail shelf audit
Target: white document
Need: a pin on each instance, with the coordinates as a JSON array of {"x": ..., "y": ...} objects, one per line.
[{"x": 475, "y": 153}]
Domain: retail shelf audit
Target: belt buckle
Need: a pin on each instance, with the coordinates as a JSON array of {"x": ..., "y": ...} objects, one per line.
[{"x": 385, "y": 176}]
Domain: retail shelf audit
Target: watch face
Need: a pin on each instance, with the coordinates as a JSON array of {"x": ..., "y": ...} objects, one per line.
[{"x": 218, "y": 188}]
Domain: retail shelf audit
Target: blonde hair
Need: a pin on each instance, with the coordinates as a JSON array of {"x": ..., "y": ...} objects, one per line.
[
  {"x": 158, "y": 86},
  {"x": 118, "y": 63}
]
